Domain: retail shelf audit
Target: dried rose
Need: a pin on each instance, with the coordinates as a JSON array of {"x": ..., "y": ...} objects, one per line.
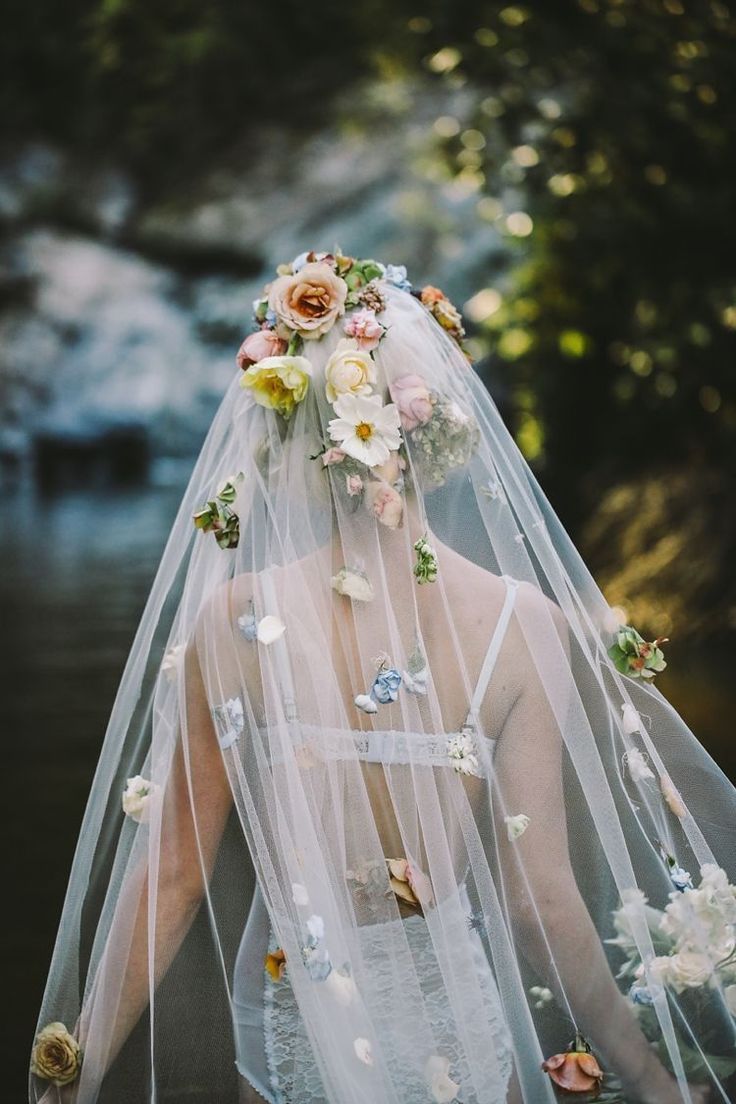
[
  {"x": 576, "y": 1070},
  {"x": 56, "y": 1055},
  {"x": 276, "y": 964}
]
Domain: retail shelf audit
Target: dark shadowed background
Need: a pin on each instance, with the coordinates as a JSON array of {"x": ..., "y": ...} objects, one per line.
[{"x": 564, "y": 171}]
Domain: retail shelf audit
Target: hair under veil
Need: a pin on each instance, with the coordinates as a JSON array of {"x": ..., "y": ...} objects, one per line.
[{"x": 388, "y": 810}]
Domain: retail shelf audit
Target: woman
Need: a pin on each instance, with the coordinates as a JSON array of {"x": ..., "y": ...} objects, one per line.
[{"x": 398, "y": 795}]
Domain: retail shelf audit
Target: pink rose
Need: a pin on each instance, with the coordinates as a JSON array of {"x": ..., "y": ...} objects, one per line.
[
  {"x": 354, "y": 484},
  {"x": 365, "y": 328},
  {"x": 259, "y": 345},
  {"x": 332, "y": 456},
  {"x": 413, "y": 399},
  {"x": 384, "y": 503}
]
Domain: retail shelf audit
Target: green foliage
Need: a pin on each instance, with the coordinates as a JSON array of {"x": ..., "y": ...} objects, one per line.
[
  {"x": 161, "y": 85},
  {"x": 601, "y": 146}
]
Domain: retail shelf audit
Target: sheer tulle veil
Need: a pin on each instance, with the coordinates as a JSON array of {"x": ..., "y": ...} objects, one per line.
[{"x": 389, "y": 808}]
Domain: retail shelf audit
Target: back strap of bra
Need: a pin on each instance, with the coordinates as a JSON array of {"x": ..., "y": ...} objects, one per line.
[{"x": 493, "y": 649}]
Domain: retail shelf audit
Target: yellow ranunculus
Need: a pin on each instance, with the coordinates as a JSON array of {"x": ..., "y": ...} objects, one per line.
[{"x": 278, "y": 382}]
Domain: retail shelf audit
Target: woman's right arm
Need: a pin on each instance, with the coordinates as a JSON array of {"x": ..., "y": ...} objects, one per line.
[{"x": 196, "y": 804}]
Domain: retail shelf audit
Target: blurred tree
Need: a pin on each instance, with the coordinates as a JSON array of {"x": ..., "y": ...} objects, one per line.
[
  {"x": 599, "y": 143},
  {"x": 160, "y": 86}
]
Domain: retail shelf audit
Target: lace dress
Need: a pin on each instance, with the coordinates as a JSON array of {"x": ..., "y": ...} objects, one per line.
[{"x": 272, "y": 1044}]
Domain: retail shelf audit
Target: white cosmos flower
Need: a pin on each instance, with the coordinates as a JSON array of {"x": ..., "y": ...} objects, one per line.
[
  {"x": 516, "y": 825},
  {"x": 366, "y": 429}
]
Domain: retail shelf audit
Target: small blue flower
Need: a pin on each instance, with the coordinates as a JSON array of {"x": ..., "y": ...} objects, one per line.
[
  {"x": 640, "y": 994},
  {"x": 680, "y": 878},
  {"x": 271, "y": 317},
  {"x": 396, "y": 275},
  {"x": 386, "y": 685},
  {"x": 248, "y": 625},
  {"x": 316, "y": 960}
]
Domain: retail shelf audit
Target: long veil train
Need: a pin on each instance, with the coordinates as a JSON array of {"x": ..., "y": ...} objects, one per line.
[{"x": 389, "y": 808}]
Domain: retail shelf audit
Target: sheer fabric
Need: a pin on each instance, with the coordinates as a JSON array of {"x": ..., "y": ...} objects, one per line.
[{"x": 519, "y": 784}]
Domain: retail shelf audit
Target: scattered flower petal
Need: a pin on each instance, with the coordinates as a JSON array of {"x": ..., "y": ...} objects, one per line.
[
  {"x": 631, "y": 721},
  {"x": 173, "y": 661},
  {"x": 353, "y": 584},
  {"x": 299, "y": 894},
  {"x": 366, "y": 703},
  {"x": 364, "y": 1050},
  {"x": 270, "y": 629},
  {"x": 516, "y": 825},
  {"x": 637, "y": 765},
  {"x": 437, "y": 1074},
  {"x": 672, "y": 796},
  {"x": 341, "y": 985}
]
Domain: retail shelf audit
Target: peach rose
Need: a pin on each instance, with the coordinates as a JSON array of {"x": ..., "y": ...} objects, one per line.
[
  {"x": 309, "y": 301},
  {"x": 411, "y": 395},
  {"x": 384, "y": 503},
  {"x": 259, "y": 345}
]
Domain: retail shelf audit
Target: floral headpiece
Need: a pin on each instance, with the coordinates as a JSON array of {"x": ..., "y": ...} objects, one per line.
[{"x": 368, "y": 438}]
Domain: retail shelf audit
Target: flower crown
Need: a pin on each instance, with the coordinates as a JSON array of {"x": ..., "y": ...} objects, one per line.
[
  {"x": 368, "y": 442},
  {"x": 304, "y": 303}
]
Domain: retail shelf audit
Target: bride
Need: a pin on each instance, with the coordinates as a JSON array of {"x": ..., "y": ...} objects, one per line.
[{"x": 389, "y": 809}]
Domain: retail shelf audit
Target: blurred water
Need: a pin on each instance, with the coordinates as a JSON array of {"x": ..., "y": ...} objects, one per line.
[{"x": 76, "y": 570}]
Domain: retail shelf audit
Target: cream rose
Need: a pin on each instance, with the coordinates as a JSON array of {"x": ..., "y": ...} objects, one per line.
[
  {"x": 349, "y": 371},
  {"x": 309, "y": 301},
  {"x": 689, "y": 970},
  {"x": 56, "y": 1055},
  {"x": 137, "y": 797}
]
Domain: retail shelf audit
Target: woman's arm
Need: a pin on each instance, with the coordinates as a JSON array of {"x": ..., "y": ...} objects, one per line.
[
  {"x": 548, "y": 914},
  {"x": 197, "y": 801}
]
